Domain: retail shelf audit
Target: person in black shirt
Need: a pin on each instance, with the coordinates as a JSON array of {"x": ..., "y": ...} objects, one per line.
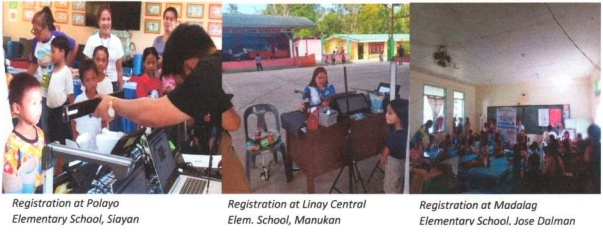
[
  {"x": 394, "y": 153},
  {"x": 192, "y": 58},
  {"x": 400, "y": 54}
]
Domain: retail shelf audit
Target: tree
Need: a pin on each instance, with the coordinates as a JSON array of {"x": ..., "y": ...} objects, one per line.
[
  {"x": 233, "y": 8},
  {"x": 309, "y": 11},
  {"x": 372, "y": 19}
]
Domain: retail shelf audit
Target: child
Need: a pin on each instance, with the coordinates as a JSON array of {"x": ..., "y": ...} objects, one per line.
[
  {"x": 101, "y": 59},
  {"x": 498, "y": 145},
  {"x": 24, "y": 145},
  {"x": 149, "y": 85},
  {"x": 87, "y": 124},
  {"x": 433, "y": 143},
  {"x": 258, "y": 62},
  {"x": 60, "y": 90},
  {"x": 394, "y": 153}
]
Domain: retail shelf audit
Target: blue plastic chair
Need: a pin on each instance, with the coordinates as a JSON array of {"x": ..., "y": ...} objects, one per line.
[{"x": 260, "y": 111}]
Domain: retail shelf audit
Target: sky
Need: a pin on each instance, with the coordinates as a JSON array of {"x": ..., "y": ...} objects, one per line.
[{"x": 256, "y": 8}]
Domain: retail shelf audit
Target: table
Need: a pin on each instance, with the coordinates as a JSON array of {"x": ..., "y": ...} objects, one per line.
[
  {"x": 493, "y": 179},
  {"x": 324, "y": 150}
]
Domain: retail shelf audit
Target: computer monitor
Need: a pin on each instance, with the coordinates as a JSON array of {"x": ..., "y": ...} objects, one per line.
[
  {"x": 357, "y": 104},
  {"x": 386, "y": 88}
]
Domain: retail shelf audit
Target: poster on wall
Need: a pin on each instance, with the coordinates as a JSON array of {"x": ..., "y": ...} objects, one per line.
[
  {"x": 12, "y": 15},
  {"x": 543, "y": 117},
  {"x": 505, "y": 123},
  {"x": 555, "y": 117},
  {"x": 566, "y": 111}
]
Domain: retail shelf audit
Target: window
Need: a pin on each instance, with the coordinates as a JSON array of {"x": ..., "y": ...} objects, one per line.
[
  {"x": 434, "y": 107},
  {"x": 375, "y": 48},
  {"x": 459, "y": 106}
]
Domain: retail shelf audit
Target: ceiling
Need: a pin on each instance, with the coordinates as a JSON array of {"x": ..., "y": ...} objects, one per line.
[{"x": 497, "y": 44}]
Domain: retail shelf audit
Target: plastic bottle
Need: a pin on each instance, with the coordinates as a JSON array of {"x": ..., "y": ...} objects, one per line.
[
  {"x": 258, "y": 133},
  {"x": 270, "y": 138},
  {"x": 312, "y": 122}
]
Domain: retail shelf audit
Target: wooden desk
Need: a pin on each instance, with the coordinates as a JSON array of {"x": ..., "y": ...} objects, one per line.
[{"x": 324, "y": 150}]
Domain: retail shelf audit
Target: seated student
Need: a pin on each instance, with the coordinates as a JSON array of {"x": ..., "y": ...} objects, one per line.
[
  {"x": 554, "y": 165},
  {"x": 445, "y": 146},
  {"x": 421, "y": 168},
  {"x": 23, "y": 149},
  {"x": 394, "y": 153},
  {"x": 470, "y": 146},
  {"x": 592, "y": 156},
  {"x": 483, "y": 159},
  {"x": 87, "y": 124},
  {"x": 447, "y": 142},
  {"x": 433, "y": 143},
  {"x": 484, "y": 149},
  {"x": 319, "y": 91},
  {"x": 533, "y": 176},
  {"x": 498, "y": 145},
  {"x": 567, "y": 151},
  {"x": 546, "y": 135},
  {"x": 520, "y": 153},
  {"x": 149, "y": 85},
  {"x": 416, "y": 156}
]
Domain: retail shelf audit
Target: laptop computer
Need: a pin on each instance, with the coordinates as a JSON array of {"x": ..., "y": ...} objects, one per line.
[
  {"x": 358, "y": 104},
  {"x": 170, "y": 180}
]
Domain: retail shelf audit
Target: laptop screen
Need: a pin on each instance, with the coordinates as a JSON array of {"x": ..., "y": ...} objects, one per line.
[
  {"x": 383, "y": 89},
  {"x": 162, "y": 156},
  {"x": 357, "y": 103}
]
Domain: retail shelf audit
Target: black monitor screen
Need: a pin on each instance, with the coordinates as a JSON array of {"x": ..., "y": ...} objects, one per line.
[
  {"x": 124, "y": 15},
  {"x": 357, "y": 103}
]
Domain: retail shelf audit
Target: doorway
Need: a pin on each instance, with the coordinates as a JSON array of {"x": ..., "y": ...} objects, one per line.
[{"x": 360, "y": 51}]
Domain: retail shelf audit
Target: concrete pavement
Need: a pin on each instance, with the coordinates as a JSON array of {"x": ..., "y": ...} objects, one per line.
[{"x": 277, "y": 88}]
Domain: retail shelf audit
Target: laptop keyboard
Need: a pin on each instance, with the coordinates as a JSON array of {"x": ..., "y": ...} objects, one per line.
[{"x": 193, "y": 186}]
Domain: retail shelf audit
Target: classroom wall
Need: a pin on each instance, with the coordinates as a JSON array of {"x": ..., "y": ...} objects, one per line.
[
  {"x": 596, "y": 107},
  {"x": 417, "y": 80},
  {"x": 21, "y": 29},
  {"x": 578, "y": 94}
]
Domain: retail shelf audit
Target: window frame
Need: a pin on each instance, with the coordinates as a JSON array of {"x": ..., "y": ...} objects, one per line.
[
  {"x": 445, "y": 91},
  {"x": 464, "y": 101}
]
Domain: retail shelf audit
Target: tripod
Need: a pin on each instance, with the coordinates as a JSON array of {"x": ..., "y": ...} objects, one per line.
[{"x": 353, "y": 173}]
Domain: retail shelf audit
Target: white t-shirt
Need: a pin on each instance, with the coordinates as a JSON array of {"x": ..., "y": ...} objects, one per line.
[
  {"x": 520, "y": 128},
  {"x": 104, "y": 87},
  {"x": 60, "y": 86},
  {"x": 546, "y": 136},
  {"x": 87, "y": 123},
  {"x": 116, "y": 51}
]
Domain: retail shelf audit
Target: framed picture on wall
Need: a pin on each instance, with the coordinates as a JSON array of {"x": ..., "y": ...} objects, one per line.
[
  {"x": 28, "y": 4},
  {"x": 45, "y": 3},
  {"x": 214, "y": 29},
  {"x": 62, "y": 5},
  {"x": 61, "y": 17},
  {"x": 195, "y": 23},
  {"x": 194, "y": 10},
  {"x": 177, "y": 6},
  {"x": 152, "y": 9},
  {"x": 215, "y": 11},
  {"x": 152, "y": 26},
  {"x": 28, "y": 14},
  {"x": 78, "y": 19},
  {"x": 78, "y": 5}
]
